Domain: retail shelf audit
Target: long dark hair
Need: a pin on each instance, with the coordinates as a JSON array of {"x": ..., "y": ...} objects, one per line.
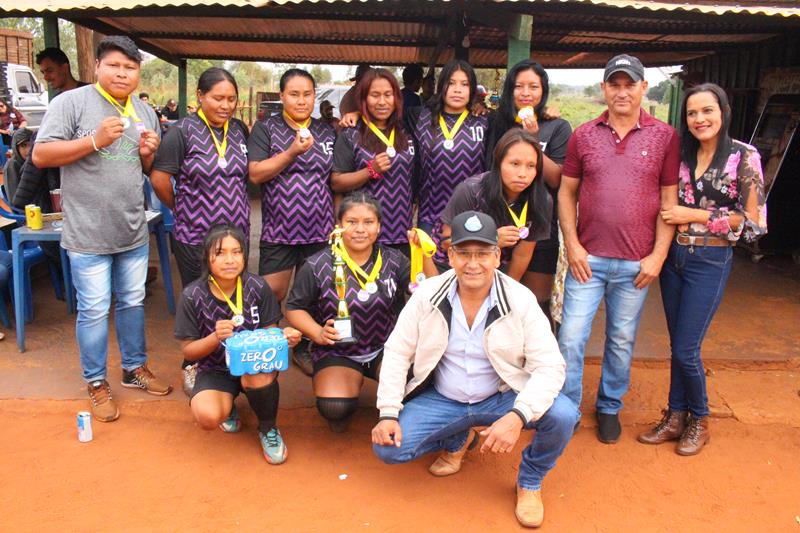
[
  {"x": 213, "y": 243},
  {"x": 690, "y": 144},
  {"x": 437, "y": 102},
  {"x": 505, "y": 118},
  {"x": 494, "y": 201},
  {"x": 365, "y": 136}
]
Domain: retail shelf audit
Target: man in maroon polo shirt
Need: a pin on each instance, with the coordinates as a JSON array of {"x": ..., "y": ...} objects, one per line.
[{"x": 621, "y": 168}]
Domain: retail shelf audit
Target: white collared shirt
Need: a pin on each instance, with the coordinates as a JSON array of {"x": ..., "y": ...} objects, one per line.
[{"x": 464, "y": 373}]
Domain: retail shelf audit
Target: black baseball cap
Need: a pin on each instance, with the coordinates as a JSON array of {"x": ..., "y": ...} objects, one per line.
[
  {"x": 473, "y": 226},
  {"x": 624, "y": 63}
]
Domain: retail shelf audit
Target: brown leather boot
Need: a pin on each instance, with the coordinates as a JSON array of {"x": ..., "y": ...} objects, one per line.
[
  {"x": 448, "y": 463},
  {"x": 695, "y": 437},
  {"x": 530, "y": 509},
  {"x": 671, "y": 427}
]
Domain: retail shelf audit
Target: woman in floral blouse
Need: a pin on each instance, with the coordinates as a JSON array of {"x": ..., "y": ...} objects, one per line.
[{"x": 721, "y": 193}]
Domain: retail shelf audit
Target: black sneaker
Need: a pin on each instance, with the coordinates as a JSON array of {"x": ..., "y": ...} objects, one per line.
[{"x": 608, "y": 428}]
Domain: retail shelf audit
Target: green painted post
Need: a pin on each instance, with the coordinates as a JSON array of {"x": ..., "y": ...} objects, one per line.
[
  {"x": 182, "y": 100},
  {"x": 519, "y": 39},
  {"x": 50, "y": 26},
  {"x": 51, "y": 39},
  {"x": 675, "y": 93}
]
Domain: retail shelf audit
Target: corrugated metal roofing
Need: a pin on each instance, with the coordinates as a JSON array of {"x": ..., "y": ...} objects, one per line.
[
  {"x": 775, "y": 7},
  {"x": 576, "y": 33}
]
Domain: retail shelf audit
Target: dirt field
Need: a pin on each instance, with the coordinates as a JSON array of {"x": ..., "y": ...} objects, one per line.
[{"x": 155, "y": 470}]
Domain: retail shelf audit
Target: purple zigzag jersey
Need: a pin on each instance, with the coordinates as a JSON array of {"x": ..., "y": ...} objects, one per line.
[
  {"x": 393, "y": 190},
  {"x": 208, "y": 310},
  {"x": 374, "y": 319},
  {"x": 206, "y": 194},
  {"x": 443, "y": 169},
  {"x": 297, "y": 204}
]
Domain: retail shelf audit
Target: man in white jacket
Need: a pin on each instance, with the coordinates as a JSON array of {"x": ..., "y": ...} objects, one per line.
[{"x": 480, "y": 353}]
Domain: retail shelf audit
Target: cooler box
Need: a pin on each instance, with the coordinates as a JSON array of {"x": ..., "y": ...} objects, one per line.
[{"x": 257, "y": 352}]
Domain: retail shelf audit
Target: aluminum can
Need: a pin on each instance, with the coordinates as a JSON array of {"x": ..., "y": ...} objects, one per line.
[
  {"x": 33, "y": 216},
  {"x": 85, "y": 426}
]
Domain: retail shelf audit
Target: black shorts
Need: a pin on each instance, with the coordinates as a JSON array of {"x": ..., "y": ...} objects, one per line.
[
  {"x": 279, "y": 257},
  {"x": 189, "y": 258},
  {"x": 219, "y": 380},
  {"x": 368, "y": 369},
  {"x": 544, "y": 261}
]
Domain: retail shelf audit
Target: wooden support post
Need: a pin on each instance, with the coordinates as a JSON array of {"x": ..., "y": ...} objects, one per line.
[
  {"x": 519, "y": 39},
  {"x": 461, "y": 31},
  {"x": 182, "y": 100},
  {"x": 84, "y": 44}
]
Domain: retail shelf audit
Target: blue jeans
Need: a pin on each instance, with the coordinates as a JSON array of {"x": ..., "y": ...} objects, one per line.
[
  {"x": 431, "y": 422},
  {"x": 692, "y": 283},
  {"x": 612, "y": 281},
  {"x": 95, "y": 276}
]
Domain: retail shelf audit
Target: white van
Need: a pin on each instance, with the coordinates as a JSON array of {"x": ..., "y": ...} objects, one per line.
[{"x": 19, "y": 87}]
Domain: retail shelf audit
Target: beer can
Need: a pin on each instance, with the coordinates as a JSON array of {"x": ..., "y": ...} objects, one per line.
[
  {"x": 33, "y": 216},
  {"x": 85, "y": 426}
]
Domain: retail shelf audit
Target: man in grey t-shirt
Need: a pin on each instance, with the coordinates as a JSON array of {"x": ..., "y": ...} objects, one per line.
[{"x": 104, "y": 140}]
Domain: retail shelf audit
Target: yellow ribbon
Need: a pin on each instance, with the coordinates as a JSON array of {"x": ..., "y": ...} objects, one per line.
[
  {"x": 359, "y": 272},
  {"x": 522, "y": 219},
  {"x": 126, "y": 110},
  {"x": 426, "y": 247},
  {"x": 237, "y": 309},
  {"x": 297, "y": 125},
  {"x": 450, "y": 134},
  {"x": 378, "y": 133},
  {"x": 223, "y": 146}
]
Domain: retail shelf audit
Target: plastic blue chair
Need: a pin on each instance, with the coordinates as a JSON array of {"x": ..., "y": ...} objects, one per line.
[{"x": 32, "y": 255}]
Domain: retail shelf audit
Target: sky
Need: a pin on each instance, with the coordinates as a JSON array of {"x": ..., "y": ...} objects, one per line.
[{"x": 560, "y": 76}]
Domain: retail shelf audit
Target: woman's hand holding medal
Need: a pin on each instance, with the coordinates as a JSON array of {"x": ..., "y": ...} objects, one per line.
[
  {"x": 223, "y": 329},
  {"x": 301, "y": 144},
  {"x": 382, "y": 163},
  {"x": 507, "y": 236}
]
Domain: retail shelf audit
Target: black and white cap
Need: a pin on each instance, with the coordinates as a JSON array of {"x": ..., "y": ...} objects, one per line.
[
  {"x": 624, "y": 63},
  {"x": 473, "y": 226}
]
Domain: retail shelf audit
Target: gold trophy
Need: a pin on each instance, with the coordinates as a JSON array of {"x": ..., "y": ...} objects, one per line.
[{"x": 343, "y": 323}]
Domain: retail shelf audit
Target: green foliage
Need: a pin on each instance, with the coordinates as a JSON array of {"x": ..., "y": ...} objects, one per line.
[
  {"x": 658, "y": 92},
  {"x": 579, "y": 109},
  {"x": 593, "y": 91},
  {"x": 321, "y": 74}
]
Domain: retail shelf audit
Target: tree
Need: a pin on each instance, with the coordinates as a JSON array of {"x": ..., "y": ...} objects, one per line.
[
  {"x": 659, "y": 92},
  {"x": 592, "y": 91},
  {"x": 321, "y": 74}
]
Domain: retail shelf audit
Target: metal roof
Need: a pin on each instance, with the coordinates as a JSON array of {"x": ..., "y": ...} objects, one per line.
[{"x": 574, "y": 33}]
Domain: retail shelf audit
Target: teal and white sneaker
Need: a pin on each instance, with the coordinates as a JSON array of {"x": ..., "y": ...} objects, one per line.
[
  {"x": 233, "y": 423},
  {"x": 272, "y": 445}
]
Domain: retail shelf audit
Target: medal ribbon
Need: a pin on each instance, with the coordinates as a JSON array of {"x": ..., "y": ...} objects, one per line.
[
  {"x": 223, "y": 146},
  {"x": 297, "y": 125},
  {"x": 379, "y": 134},
  {"x": 237, "y": 309},
  {"x": 359, "y": 272},
  {"x": 125, "y": 111},
  {"x": 522, "y": 219},
  {"x": 450, "y": 134},
  {"x": 425, "y": 248}
]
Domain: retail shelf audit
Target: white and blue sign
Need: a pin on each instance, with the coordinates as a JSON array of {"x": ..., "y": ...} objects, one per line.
[{"x": 257, "y": 352}]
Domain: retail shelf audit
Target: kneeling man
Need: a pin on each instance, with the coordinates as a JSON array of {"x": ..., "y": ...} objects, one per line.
[{"x": 482, "y": 354}]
